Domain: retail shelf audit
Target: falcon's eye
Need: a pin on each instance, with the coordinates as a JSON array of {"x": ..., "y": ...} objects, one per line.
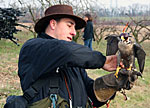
[{"x": 126, "y": 38}]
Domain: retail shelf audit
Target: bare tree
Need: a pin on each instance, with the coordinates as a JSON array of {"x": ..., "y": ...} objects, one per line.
[
  {"x": 36, "y": 9},
  {"x": 139, "y": 29},
  {"x": 102, "y": 30}
]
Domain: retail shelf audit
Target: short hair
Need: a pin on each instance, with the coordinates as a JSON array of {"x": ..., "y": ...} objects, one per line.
[{"x": 88, "y": 16}]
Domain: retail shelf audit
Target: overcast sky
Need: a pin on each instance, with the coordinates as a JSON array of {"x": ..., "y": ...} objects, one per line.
[
  {"x": 123, "y": 3},
  {"x": 105, "y": 3}
]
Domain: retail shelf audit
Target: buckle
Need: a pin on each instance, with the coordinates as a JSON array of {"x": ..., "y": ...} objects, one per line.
[{"x": 53, "y": 90}]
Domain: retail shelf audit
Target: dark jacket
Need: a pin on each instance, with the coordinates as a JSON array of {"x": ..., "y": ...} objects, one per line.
[
  {"x": 41, "y": 56},
  {"x": 88, "y": 31}
]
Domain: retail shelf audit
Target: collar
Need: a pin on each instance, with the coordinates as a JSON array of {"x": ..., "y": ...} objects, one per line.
[{"x": 44, "y": 36}]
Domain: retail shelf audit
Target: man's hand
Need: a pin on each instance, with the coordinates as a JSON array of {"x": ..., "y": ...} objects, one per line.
[{"x": 110, "y": 63}]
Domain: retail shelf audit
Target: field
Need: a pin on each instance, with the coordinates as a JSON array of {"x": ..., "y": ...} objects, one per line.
[{"x": 138, "y": 96}]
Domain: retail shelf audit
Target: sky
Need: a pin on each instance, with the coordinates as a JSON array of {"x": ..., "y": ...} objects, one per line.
[
  {"x": 123, "y": 3},
  {"x": 104, "y": 3}
]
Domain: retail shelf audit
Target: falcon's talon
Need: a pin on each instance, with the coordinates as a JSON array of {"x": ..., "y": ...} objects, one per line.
[
  {"x": 130, "y": 68},
  {"x": 116, "y": 75},
  {"x": 117, "y": 70}
]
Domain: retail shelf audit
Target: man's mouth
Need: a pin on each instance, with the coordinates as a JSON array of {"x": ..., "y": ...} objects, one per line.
[{"x": 69, "y": 38}]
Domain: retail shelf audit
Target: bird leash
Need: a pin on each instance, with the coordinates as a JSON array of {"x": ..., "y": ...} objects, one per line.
[
  {"x": 107, "y": 104},
  {"x": 122, "y": 91}
]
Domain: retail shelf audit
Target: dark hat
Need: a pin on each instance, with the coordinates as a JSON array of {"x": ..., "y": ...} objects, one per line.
[{"x": 58, "y": 11}]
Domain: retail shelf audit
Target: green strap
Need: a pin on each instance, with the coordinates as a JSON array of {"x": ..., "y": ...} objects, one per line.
[{"x": 46, "y": 102}]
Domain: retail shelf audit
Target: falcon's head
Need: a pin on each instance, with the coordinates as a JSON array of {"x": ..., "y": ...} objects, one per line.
[{"x": 125, "y": 38}]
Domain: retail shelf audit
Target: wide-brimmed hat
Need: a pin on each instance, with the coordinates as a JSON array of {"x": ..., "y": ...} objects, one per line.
[{"x": 58, "y": 11}]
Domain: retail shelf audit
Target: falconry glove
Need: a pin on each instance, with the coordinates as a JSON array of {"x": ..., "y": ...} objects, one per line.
[{"x": 106, "y": 86}]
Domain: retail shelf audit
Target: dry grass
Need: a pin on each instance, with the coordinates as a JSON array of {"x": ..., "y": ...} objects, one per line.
[{"x": 9, "y": 80}]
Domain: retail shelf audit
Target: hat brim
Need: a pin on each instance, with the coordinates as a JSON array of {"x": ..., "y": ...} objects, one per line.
[{"x": 41, "y": 25}]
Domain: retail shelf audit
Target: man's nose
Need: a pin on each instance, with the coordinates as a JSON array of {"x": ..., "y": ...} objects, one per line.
[{"x": 73, "y": 32}]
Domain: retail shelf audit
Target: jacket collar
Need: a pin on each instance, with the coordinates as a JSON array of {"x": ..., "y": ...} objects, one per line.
[{"x": 44, "y": 36}]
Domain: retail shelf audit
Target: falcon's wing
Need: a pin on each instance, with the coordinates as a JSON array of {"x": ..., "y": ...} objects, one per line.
[
  {"x": 140, "y": 54},
  {"x": 112, "y": 45}
]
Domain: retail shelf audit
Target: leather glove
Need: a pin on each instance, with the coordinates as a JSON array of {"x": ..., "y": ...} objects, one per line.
[{"x": 106, "y": 86}]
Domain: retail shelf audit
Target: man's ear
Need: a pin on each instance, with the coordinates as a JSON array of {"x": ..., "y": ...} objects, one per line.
[{"x": 52, "y": 24}]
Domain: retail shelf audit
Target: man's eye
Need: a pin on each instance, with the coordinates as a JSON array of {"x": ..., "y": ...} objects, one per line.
[{"x": 69, "y": 26}]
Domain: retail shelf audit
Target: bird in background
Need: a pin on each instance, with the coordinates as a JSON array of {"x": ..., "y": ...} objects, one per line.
[{"x": 127, "y": 49}]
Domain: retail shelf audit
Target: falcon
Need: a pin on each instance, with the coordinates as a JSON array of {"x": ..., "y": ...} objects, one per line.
[{"x": 127, "y": 49}]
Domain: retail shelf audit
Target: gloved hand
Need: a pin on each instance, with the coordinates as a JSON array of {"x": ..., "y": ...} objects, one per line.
[{"x": 106, "y": 86}]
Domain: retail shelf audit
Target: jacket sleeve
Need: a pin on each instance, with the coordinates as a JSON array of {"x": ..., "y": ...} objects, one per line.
[
  {"x": 89, "y": 88},
  {"x": 81, "y": 56}
]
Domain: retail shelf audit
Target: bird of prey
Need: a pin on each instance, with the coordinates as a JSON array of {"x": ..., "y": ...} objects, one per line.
[{"x": 128, "y": 49}]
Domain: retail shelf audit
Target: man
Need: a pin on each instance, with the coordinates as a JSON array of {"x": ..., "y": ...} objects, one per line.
[{"x": 53, "y": 54}]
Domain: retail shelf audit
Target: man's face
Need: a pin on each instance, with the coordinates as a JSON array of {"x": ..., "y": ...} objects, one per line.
[{"x": 65, "y": 29}]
